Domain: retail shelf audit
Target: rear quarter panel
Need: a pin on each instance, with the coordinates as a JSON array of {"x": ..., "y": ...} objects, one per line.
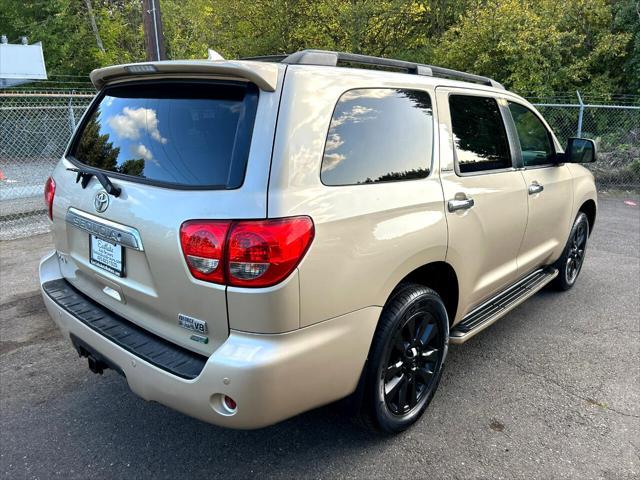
[{"x": 368, "y": 237}]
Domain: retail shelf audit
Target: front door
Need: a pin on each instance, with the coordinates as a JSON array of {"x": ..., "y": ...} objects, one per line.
[
  {"x": 486, "y": 197},
  {"x": 549, "y": 187}
]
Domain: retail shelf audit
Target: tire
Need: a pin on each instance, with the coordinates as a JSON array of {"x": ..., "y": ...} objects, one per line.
[
  {"x": 570, "y": 262},
  {"x": 405, "y": 360}
]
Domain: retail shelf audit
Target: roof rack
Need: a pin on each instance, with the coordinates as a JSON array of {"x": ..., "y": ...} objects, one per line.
[
  {"x": 266, "y": 58},
  {"x": 331, "y": 59}
]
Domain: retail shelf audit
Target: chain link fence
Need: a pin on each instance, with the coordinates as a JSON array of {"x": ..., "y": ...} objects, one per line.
[
  {"x": 35, "y": 127},
  {"x": 616, "y": 131}
]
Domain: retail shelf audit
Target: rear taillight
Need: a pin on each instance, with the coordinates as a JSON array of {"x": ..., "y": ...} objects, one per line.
[
  {"x": 49, "y": 193},
  {"x": 203, "y": 246},
  {"x": 246, "y": 253},
  {"x": 264, "y": 252}
]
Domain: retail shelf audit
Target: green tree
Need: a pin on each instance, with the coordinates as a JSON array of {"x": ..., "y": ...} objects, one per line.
[
  {"x": 61, "y": 25},
  {"x": 96, "y": 150},
  {"x": 537, "y": 47},
  {"x": 64, "y": 28},
  {"x": 626, "y": 18},
  {"x": 120, "y": 25},
  {"x": 533, "y": 46},
  {"x": 133, "y": 167}
]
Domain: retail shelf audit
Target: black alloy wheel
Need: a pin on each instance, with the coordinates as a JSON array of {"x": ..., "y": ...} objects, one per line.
[
  {"x": 577, "y": 247},
  {"x": 570, "y": 262},
  {"x": 412, "y": 361},
  {"x": 406, "y": 358}
]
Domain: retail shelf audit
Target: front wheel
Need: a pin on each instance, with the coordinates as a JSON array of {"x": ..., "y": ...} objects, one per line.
[
  {"x": 570, "y": 262},
  {"x": 406, "y": 359}
]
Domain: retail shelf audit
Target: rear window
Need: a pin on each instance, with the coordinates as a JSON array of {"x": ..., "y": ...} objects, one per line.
[{"x": 193, "y": 135}]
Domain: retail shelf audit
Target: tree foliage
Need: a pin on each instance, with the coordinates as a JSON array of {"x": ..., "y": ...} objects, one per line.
[
  {"x": 539, "y": 47},
  {"x": 532, "y": 46}
]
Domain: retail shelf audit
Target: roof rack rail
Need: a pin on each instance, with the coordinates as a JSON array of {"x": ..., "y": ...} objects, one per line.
[
  {"x": 266, "y": 58},
  {"x": 331, "y": 59}
]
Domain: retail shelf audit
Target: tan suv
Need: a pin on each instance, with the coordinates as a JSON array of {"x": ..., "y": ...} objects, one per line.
[{"x": 247, "y": 240}]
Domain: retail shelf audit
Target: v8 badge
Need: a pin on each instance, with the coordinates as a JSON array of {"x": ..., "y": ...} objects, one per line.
[{"x": 193, "y": 324}]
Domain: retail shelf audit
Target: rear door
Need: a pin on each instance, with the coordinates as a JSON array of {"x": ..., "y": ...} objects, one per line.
[
  {"x": 549, "y": 188},
  {"x": 178, "y": 150},
  {"x": 485, "y": 194}
]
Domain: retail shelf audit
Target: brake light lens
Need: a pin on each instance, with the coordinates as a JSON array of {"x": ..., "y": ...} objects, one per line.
[
  {"x": 264, "y": 252},
  {"x": 49, "y": 193},
  {"x": 203, "y": 246},
  {"x": 246, "y": 253}
]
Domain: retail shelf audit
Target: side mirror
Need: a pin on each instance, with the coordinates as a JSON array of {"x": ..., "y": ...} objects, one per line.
[{"x": 580, "y": 150}]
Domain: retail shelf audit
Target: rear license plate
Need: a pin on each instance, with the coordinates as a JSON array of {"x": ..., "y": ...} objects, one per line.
[{"x": 106, "y": 255}]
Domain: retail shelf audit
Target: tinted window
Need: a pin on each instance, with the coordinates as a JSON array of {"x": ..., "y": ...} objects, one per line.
[
  {"x": 535, "y": 142},
  {"x": 479, "y": 134},
  {"x": 177, "y": 133},
  {"x": 378, "y": 135}
]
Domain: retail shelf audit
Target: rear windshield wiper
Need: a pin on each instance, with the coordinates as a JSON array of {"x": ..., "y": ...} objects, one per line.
[{"x": 84, "y": 175}]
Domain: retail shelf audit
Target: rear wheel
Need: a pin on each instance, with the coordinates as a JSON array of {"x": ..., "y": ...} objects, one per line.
[
  {"x": 570, "y": 262},
  {"x": 406, "y": 359}
]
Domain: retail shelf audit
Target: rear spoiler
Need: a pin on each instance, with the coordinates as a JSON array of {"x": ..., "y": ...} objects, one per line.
[{"x": 264, "y": 75}]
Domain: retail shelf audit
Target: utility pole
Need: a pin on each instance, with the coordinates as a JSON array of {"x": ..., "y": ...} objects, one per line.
[
  {"x": 94, "y": 26},
  {"x": 153, "y": 35}
]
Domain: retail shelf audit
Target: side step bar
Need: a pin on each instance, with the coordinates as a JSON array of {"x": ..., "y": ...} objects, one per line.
[{"x": 499, "y": 305}]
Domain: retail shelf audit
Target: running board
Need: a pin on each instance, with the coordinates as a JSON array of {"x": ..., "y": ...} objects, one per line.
[{"x": 499, "y": 305}]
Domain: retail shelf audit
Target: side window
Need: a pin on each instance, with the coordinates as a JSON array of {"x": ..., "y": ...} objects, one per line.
[
  {"x": 479, "y": 134},
  {"x": 535, "y": 141},
  {"x": 378, "y": 135}
]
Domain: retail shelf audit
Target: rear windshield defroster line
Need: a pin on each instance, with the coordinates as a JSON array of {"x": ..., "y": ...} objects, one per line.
[{"x": 186, "y": 135}]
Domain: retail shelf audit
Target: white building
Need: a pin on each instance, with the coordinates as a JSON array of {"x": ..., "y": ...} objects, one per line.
[{"x": 20, "y": 63}]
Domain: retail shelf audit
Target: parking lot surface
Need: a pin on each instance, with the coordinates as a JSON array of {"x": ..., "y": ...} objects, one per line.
[{"x": 550, "y": 391}]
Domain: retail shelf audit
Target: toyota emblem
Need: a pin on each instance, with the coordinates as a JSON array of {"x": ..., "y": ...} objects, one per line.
[{"x": 101, "y": 201}]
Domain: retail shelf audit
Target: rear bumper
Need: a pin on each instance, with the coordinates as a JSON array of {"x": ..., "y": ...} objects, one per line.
[{"x": 271, "y": 377}]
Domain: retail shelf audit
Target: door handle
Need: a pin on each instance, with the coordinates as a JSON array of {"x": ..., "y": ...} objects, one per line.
[
  {"x": 534, "y": 188},
  {"x": 460, "y": 204}
]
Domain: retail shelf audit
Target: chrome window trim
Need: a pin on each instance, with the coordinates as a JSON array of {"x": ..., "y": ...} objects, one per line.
[{"x": 546, "y": 165}]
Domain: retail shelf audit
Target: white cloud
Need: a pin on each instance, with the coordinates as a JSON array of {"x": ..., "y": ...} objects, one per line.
[
  {"x": 331, "y": 161},
  {"x": 333, "y": 141},
  {"x": 133, "y": 121},
  {"x": 141, "y": 151},
  {"x": 357, "y": 114},
  {"x": 360, "y": 110},
  {"x": 368, "y": 93}
]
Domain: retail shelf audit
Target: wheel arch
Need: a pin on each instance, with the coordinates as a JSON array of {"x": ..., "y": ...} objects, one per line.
[
  {"x": 589, "y": 209},
  {"x": 440, "y": 277}
]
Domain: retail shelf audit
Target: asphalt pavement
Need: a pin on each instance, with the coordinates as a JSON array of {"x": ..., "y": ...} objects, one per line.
[{"x": 550, "y": 391}]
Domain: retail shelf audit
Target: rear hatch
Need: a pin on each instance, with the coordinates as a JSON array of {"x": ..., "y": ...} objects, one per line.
[{"x": 177, "y": 149}]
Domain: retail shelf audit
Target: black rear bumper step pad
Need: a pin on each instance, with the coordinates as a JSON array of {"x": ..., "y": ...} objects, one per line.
[{"x": 149, "y": 347}]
